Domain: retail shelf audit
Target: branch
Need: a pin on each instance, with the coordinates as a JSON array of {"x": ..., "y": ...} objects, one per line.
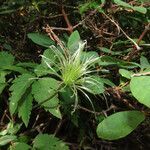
[{"x": 97, "y": 113}]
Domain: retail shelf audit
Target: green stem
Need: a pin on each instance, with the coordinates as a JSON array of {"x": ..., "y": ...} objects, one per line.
[{"x": 53, "y": 95}]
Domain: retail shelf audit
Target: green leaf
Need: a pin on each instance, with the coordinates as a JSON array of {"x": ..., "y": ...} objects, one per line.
[
  {"x": 90, "y": 5},
  {"x": 119, "y": 125},
  {"x": 25, "y": 109},
  {"x": 95, "y": 86},
  {"x": 48, "y": 142},
  {"x": 2, "y": 80},
  {"x": 50, "y": 57},
  {"x": 144, "y": 62},
  {"x": 140, "y": 88},
  {"x": 84, "y": 7},
  {"x": 125, "y": 73},
  {"x": 41, "y": 39},
  {"x": 42, "y": 90},
  {"x": 140, "y": 9},
  {"x": 13, "y": 128},
  {"x": 41, "y": 71},
  {"x": 19, "y": 146},
  {"x": 87, "y": 55},
  {"x": 6, "y": 139},
  {"x": 7, "y": 11},
  {"x": 73, "y": 41},
  {"x": 18, "y": 89},
  {"x": 121, "y": 3},
  {"x": 2, "y": 86},
  {"x": 6, "y": 59},
  {"x": 108, "y": 51},
  {"x": 108, "y": 60},
  {"x": 26, "y": 64},
  {"x": 107, "y": 82},
  {"x": 15, "y": 68}
]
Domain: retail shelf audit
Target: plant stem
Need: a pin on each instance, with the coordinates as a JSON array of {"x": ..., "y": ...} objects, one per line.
[{"x": 49, "y": 98}]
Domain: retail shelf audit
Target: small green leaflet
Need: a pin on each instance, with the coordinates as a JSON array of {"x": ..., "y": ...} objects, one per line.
[
  {"x": 24, "y": 110},
  {"x": 90, "y": 5},
  {"x": 126, "y": 5},
  {"x": 6, "y": 59},
  {"x": 2, "y": 80},
  {"x": 40, "y": 70},
  {"x": 19, "y": 146},
  {"x": 6, "y": 139},
  {"x": 95, "y": 85},
  {"x": 42, "y": 90},
  {"x": 119, "y": 125},
  {"x": 73, "y": 41},
  {"x": 125, "y": 73},
  {"x": 140, "y": 88},
  {"x": 49, "y": 57},
  {"x": 144, "y": 63},
  {"x": 49, "y": 142},
  {"x": 18, "y": 89}
]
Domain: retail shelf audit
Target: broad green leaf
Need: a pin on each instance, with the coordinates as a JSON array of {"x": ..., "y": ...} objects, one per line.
[
  {"x": 140, "y": 88},
  {"x": 6, "y": 139},
  {"x": 6, "y": 59},
  {"x": 18, "y": 89},
  {"x": 19, "y": 146},
  {"x": 119, "y": 125},
  {"x": 73, "y": 41},
  {"x": 25, "y": 108},
  {"x": 125, "y": 73},
  {"x": 95, "y": 85},
  {"x": 42, "y": 90},
  {"x": 49, "y": 142},
  {"x": 41, "y": 39}
]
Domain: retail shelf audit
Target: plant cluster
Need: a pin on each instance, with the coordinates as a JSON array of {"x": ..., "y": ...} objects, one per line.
[{"x": 75, "y": 83}]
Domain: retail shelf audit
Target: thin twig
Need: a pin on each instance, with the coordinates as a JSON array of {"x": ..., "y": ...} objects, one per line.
[
  {"x": 96, "y": 113},
  {"x": 140, "y": 74},
  {"x": 54, "y": 37},
  {"x": 135, "y": 51},
  {"x": 119, "y": 28},
  {"x": 70, "y": 28}
]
